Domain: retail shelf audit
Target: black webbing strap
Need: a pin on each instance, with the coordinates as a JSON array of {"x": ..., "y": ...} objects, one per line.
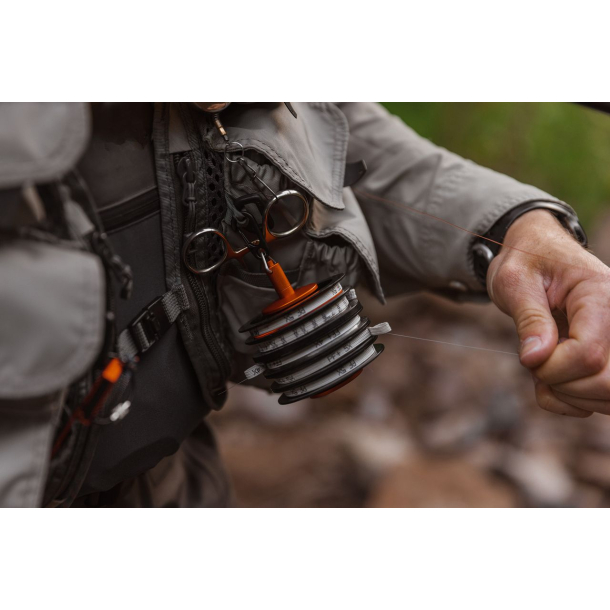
[
  {"x": 152, "y": 323},
  {"x": 353, "y": 172}
]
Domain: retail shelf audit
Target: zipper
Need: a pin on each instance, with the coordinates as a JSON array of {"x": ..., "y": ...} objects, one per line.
[
  {"x": 119, "y": 215},
  {"x": 186, "y": 171}
]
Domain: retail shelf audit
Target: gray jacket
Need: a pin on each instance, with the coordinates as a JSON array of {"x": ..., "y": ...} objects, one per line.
[{"x": 52, "y": 299}]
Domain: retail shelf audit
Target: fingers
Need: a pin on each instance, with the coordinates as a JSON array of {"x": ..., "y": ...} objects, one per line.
[
  {"x": 549, "y": 402},
  {"x": 594, "y": 387},
  {"x": 586, "y": 404},
  {"x": 573, "y": 375},
  {"x": 521, "y": 294},
  {"x": 585, "y": 353}
]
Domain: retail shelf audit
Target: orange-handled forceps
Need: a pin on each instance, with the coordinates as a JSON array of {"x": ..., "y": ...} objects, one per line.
[
  {"x": 288, "y": 295},
  {"x": 270, "y": 235}
]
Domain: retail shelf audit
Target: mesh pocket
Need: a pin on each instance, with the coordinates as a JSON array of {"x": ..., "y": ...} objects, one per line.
[{"x": 213, "y": 163}]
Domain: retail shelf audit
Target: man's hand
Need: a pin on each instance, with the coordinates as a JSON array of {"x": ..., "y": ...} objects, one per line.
[{"x": 560, "y": 302}]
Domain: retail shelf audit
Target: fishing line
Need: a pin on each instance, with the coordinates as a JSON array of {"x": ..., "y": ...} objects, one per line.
[
  {"x": 232, "y": 386},
  {"x": 361, "y": 358},
  {"x": 482, "y": 349}
]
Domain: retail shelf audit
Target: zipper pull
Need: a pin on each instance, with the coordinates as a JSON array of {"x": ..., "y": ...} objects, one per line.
[{"x": 187, "y": 174}]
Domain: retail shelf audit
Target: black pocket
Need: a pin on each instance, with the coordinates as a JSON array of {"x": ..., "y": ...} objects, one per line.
[{"x": 166, "y": 399}]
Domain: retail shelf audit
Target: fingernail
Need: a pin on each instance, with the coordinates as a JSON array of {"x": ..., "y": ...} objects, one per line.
[{"x": 530, "y": 345}]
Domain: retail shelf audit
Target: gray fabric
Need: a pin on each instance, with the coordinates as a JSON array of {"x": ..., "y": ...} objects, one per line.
[
  {"x": 415, "y": 251},
  {"x": 52, "y": 307},
  {"x": 351, "y": 225},
  {"x": 127, "y": 346},
  {"x": 40, "y": 141},
  {"x": 309, "y": 150},
  {"x": 26, "y": 433}
]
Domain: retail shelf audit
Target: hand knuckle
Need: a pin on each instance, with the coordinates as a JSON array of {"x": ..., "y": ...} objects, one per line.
[
  {"x": 594, "y": 358},
  {"x": 509, "y": 274}
]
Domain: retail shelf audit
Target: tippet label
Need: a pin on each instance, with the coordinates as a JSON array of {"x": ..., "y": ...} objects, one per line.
[
  {"x": 320, "y": 344},
  {"x": 303, "y": 329},
  {"x": 296, "y": 314},
  {"x": 334, "y": 376}
]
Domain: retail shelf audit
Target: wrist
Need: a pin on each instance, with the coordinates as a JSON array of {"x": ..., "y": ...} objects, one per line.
[
  {"x": 534, "y": 226},
  {"x": 551, "y": 219}
]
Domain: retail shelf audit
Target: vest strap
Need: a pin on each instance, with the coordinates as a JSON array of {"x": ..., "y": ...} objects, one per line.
[{"x": 152, "y": 323}]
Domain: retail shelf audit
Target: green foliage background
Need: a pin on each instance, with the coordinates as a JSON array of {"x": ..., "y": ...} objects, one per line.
[{"x": 562, "y": 148}]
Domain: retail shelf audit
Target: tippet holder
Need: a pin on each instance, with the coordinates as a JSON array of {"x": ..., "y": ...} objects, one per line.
[{"x": 312, "y": 340}]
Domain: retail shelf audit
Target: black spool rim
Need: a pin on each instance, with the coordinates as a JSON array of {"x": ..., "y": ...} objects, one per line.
[
  {"x": 310, "y": 358},
  {"x": 352, "y": 311},
  {"x": 329, "y": 368},
  {"x": 288, "y": 400},
  {"x": 263, "y": 319}
]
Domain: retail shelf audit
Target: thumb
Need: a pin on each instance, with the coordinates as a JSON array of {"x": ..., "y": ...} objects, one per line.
[{"x": 525, "y": 300}]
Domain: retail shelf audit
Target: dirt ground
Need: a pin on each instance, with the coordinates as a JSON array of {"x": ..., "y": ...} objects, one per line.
[{"x": 426, "y": 425}]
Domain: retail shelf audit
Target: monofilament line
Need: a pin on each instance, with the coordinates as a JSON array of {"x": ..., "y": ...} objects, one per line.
[
  {"x": 481, "y": 349},
  {"x": 231, "y": 387}
]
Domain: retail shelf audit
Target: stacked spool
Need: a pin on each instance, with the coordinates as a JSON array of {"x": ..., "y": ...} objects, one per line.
[{"x": 312, "y": 345}]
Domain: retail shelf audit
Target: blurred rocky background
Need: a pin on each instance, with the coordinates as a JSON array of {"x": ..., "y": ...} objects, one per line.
[{"x": 431, "y": 425}]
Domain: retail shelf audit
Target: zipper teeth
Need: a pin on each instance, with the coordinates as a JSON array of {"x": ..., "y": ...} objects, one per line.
[
  {"x": 198, "y": 287},
  {"x": 210, "y": 339}
]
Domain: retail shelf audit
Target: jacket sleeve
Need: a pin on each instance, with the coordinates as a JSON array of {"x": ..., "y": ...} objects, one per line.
[{"x": 404, "y": 169}]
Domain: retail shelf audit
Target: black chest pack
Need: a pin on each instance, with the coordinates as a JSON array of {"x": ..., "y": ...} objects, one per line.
[{"x": 171, "y": 220}]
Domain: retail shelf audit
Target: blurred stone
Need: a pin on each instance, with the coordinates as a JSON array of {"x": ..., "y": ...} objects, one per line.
[
  {"x": 541, "y": 477},
  {"x": 453, "y": 431},
  {"x": 440, "y": 484},
  {"x": 505, "y": 411},
  {"x": 590, "y": 496},
  {"x": 486, "y": 455},
  {"x": 375, "y": 404},
  {"x": 293, "y": 468},
  {"x": 363, "y": 444},
  {"x": 594, "y": 467},
  {"x": 374, "y": 448},
  {"x": 596, "y": 433},
  {"x": 264, "y": 406}
]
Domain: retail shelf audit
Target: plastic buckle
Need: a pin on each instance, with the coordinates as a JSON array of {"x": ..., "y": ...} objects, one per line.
[{"x": 154, "y": 323}]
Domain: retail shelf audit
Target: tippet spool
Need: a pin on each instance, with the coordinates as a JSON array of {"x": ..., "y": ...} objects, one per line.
[{"x": 312, "y": 340}]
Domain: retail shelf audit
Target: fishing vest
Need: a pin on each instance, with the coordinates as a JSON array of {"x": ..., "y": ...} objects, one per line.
[{"x": 128, "y": 187}]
